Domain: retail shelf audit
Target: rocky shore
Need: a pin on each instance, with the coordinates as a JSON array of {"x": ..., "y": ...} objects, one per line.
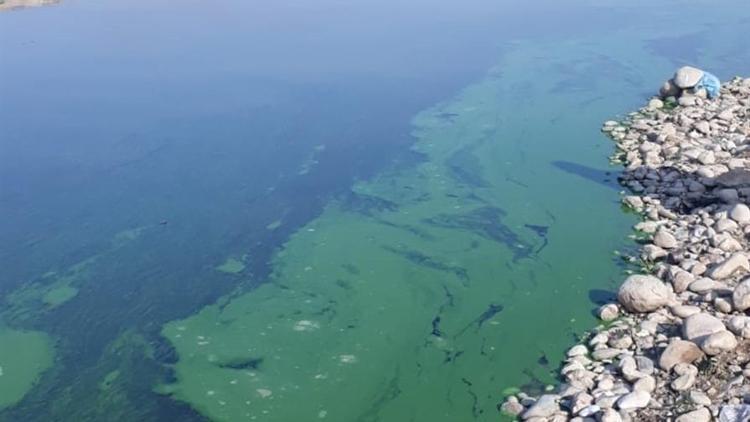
[{"x": 676, "y": 345}]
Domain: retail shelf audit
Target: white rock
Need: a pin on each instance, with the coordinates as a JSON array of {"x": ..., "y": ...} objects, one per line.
[
  {"x": 647, "y": 384},
  {"x": 722, "y": 341},
  {"x": 740, "y": 325},
  {"x": 700, "y": 415},
  {"x": 610, "y": 415},
  {"x": 609, "y": 312},
  {"x": 698, "y": 327},
  {"x": 644, "y": 293},
  {"x": 634, "y": 400},
  {"x": 578, "y": 350},
  {"x": 700, "y": 398},
  {"x": 684, "y": 311},
  {"x": 740, "y": 213},
  {"x": 683, "y": 382}
]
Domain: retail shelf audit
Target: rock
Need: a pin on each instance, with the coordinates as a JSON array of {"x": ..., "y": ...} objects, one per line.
[
  {"x": 634, "y": 400},
  {"x": 741, "y": 296},
  {"x": 700, "y": 415},
  {"x": 544, "y": 407},
  {"x": 665, "y": 239},
  {"x": 740, "y": 213},
  {"x": 512, "y": 406},
  {"x": 655, "y": 104},
  {"x": 736, "y": 413},
  {"x": 734, "y": 264},
  {"x": 644, "y": 293},
  {"x": 699, "y": 398},
  {"x": 684, "y": 311},
  {"x": 722, "y": 341},
  {"x": 577, "y": 350},
  {"x": 610, "y": 415},
  {"x": 704, "y": 128},
  {"x": 669, "y": 89},
  {"x": 687, "y": 77},
  {"x": 702, "y": 285},
  {"x": 679, "y": 351},
  {"x": 606, "y": 354},
  {"x": 579, "y": 402},
  {"x": 647, "y": 384},
  {"x": 609, "y": 312},
  {"x": 683, "y": 382},
  {"x": 698, "y": 327},
  {"x": 740, "y": 325}
]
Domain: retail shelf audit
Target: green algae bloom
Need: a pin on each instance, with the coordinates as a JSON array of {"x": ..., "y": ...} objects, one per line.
[{"x": 24, "y": 356}]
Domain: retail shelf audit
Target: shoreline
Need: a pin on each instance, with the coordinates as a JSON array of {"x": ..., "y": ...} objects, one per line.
[{"x": 676, "y": 345}]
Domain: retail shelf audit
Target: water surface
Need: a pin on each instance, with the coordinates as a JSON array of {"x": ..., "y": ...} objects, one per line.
[{"x": 302, "y": 211}]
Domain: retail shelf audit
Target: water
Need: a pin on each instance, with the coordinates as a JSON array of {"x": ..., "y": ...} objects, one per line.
[{"x": 302, "y": 211}]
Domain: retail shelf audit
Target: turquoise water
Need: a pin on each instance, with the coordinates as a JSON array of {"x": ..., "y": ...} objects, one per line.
[{"x": 333, "y": 211}]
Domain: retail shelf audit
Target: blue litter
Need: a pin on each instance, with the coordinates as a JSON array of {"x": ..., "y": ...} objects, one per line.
[{"x": 710, "y": 83}]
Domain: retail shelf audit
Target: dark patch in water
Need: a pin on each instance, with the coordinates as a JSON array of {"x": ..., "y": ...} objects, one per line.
[
  {"x": 492, "y": 310},
  {"x": 603, "y": 177},
  {"x": 466, "y": 168},
  {"x": 475, "y": 410},
  {"x": 250, "y": 363},
  {"x": 350, "y": 268},
  {"x": 416, "y": 231},
  {"x": 436, "y": 327},
  {"x": 543, "y": 360},
  {"x": 367, "y": 204},
  {"x": 540, "y": 231},
  {"x": 428, "y": 262},
  {"x": 487, "y": 223},
  {"x": 602, "y": 297}
]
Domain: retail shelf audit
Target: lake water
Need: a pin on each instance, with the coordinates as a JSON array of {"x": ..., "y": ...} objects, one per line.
[{"x": 299, "y": 211}]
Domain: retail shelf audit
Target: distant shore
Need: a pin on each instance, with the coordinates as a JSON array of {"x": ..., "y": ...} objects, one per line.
[
  {"x": 7, "y": 5},
  {"x": 676, "y": 345}
]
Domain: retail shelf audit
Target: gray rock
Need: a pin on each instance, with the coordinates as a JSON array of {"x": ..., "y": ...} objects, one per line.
[
  {"x": 698, "y": 327},
  {"x": 741, "y": 295},
  {"x": 647, "y": 384},
  {"x": 740, "y": 325},
  {"x": 544, "y": 407},
  {"x": 722, "y": 341},
  {"x": 687, "y": 77},
  {"x": 634, "y": 400},
  {"x": 684, "y": 311},
  {"x": 736, "y": 413},
  {"x": 699, "y": 398},
  {"x": 644, "y": 293},
  {"x": 664, "y": 239},
  {"x": 737, "y": 263},
  {"x": 700, "y": 415},
  {"x": 683, "y": 382},
  {"x": 679, "y": 351},
  {"x": 512, "y": 407}
]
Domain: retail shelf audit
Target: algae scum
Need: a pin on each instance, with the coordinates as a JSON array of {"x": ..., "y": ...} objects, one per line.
[{"x": 398, "y": 302}]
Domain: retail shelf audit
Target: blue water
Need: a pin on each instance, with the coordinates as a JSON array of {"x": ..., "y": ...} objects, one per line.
[{"x": 200, "y": 125}]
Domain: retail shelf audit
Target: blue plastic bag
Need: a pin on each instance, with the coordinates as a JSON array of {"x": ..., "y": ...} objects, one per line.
[{"x": 710, "y": 83}]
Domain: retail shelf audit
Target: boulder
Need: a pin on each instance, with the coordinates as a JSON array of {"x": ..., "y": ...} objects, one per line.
[
  {"x": 643, "y": 293},
  {"x": 698, "y": 327},
  {"x": 741, "y": 295},
  {"x": 734, "y": 264},
  {"x": 679, "y": 351},
  {"x": 687, "y": 77}
]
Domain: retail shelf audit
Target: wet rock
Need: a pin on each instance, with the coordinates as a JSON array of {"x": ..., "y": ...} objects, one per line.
[
  {"x": 679, "y": 351},
  {"x": 512, "y": 406},
  {"x": 643, "y": 293},
  {"x": 698, "y": 327}
]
